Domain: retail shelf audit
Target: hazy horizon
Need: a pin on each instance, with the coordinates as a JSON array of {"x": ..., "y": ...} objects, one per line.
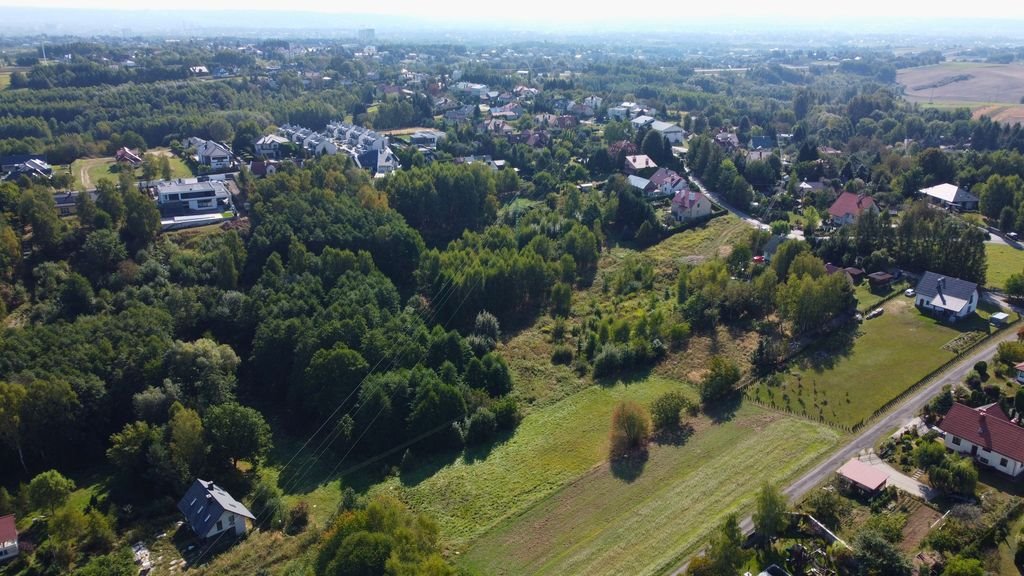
[{"x": 219, "y": 17}]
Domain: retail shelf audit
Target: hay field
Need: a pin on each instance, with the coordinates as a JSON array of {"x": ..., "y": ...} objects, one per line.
[{"x": 994, "y": 90}]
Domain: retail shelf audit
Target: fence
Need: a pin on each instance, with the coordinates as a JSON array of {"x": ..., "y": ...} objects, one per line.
[{"x": 880, "y": 302}]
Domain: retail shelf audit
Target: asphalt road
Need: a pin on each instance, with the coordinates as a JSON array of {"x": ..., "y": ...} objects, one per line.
[
  {"x": 870, "y": 435},
  {"x": 718, "y": 200}
]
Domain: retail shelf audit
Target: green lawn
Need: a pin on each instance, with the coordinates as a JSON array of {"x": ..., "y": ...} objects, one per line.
[
  {"x": 1002, "y": 262},
  {"x": 608, "y": 523},
  {"x": 846, "y": 382},
  {"x": 5, "y": 80},
  {"x": 96, "y": 168},
  {"x": 867, "y": 298}
]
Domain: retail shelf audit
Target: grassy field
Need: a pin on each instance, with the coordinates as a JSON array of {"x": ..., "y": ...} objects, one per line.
[
  {"x": 88, "y": 171},
  {"x": 5, "y": 80},
  {"x": 1002, "y": 262},
  {"x": 610, "y": 522},
  {"x": 847, "y": 377}
]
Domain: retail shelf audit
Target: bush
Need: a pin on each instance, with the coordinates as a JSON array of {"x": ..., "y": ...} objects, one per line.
[
  {"x": 506, "y": 413},
  {"x": 666, "y": 410},
  {"x": 611, "y": 359},
  {"x": 719, "y": 380},
  {"x": 631, "y": 428},
  {"x": 481, "y": 427},
  {"x": 562, "y": 355},
  {"x": 298, "y": 518},
  {"x": 981, "y": 367},
  {"x": 679, "y": 334}
]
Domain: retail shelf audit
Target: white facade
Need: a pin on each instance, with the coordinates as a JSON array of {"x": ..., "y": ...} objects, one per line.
[
  {"x": 689, "y": 205},
  {"x": 671, "y": 132},
  {"x": 8, "y": 549},
  {"x": 951, "y": 303},
  {"x": 228, "y": 521},
  {"x": 992, "y": 459}
]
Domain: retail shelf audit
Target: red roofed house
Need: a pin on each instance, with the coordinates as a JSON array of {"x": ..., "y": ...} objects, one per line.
[
  {"x": 690, "y": 204},
  {"x": 8, "y": 538},
  {"x": 863, "y": 476},
  {"x": 987, "y": 434},
  {"x": 849, "y": 206},
  {"x": 668, "y": 182},
  {"x": 1020, "y": 372}
]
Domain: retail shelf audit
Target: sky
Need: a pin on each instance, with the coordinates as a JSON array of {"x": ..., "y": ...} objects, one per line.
[{"x": 569, "y": 11}]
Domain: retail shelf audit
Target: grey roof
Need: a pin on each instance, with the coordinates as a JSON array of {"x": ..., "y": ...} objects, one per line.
[
  {"x": 205, "y": 502},
  {"x": 930, "y": 286}
]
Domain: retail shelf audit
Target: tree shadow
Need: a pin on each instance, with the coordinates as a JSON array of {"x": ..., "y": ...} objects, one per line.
[
  {"x": 724, "y": 409},
  {"x": 827, "y": 352},
  {"x": 629, "y": 466},
  {"x": 478, "y": 452},
  {"x": 626, "y": 378},
  {"x": 674, "y": 437},
  {"x": 198, "y": 552}
]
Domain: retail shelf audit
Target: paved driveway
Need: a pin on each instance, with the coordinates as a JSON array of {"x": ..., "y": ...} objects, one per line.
[{"x": 897, "y": 478}]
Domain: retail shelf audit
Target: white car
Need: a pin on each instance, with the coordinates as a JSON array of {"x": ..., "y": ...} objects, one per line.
[{"x": 909, "y": 292}]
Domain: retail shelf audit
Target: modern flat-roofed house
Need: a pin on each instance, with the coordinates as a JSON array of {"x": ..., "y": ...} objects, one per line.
[
  {"x": 987, "y": 434},
  {"x": 269, "y": 146},
  {"x": 641, "y": 121},
  {"x": 8, "y": 538},
  {"x": 197, "y": 196},
  {"x": 950, "y": 196},
  {"x": 209, "y": 510},
  {"x": 214, "y": 154},
  {"x": 946, "y": 297}
]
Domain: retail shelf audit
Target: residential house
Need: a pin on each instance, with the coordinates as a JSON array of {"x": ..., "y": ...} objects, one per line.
[
  {"x": 378, "y": 162},
  {"x": 34, "y": 168},
  {"x": 593, "y": 101},
  {"x": 946, "y": 297},
  {"x": 760, "y": 143},
  {"x": 461, "y": 114},
  {"x": 951, "y": 196},
  {"x": 1020, "y": 372},
  {"x": 641, "y": 122},
  {"x": 496, "y": 126},
  {"x": 727, "y": 141},
  {"x": 880, "y": 280},
  {"x": 67, "y": 202},
  {"x": 690, "y": 205},
  {"x": 831, "y": 269},
  {"x": 214, "y": 154},
  {"x": 263, "y": 168},
  {"x": 639, "y": 162},
  {"x": 128, "y": 156},
  {"x": 805, "y": 187},
  {"x": 209, "y": 510},
  {"x": 618, "y": 113},
  {"x": 209, "y": 196},
  {"x": 427, "y": 138},
  {"x": 987, "y": 434},
  {"x": 674, "y": 133},
  {"x": 642, "y": 184},
  {"x": 8, "y": 537},
  {"x": 849, "y": 206},
  {"x": 759, "y": 155},
  {"x": 269, "y": 146},
  {"x": 863, "y": 477},
  {"x": 11, "y": 162},
  {"x": 621, "y": 147},
  {"x": 667, "y": 182}
]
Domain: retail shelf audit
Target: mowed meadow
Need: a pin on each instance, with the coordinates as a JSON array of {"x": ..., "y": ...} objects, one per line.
[{"x": 547, "y": 500}]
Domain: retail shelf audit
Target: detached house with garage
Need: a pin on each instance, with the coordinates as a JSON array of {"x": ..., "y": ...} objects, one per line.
[
  {"x": 946, "y": 297},
  {"x": 987, "y": 435},
  {"x": 209, "y": 510}
]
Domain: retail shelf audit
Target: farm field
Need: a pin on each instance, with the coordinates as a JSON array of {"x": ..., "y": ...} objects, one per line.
[
  {"x": 5, "y": 80},
  {"x": 847, "y": 377},
  {"x": 994, "y": 90},
  {"x": 610, "y": 522},
  {"x": 1002, "y": 262}
]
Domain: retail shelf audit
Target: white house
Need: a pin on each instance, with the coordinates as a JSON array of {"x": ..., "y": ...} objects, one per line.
[
  {"x": 214, "y": 154},
  {"x": 674, "y": 133},
  {"x": 667, "y": 182},
  {"x": 947, "y": 297},
  {"x": 690, "y": 205},
  {"x": 270, "y": 146},
  {"x": 209, "y": 510},
  {"x": 987, "y": 434},
  {"x": 196, "y": 196},
  {"x": 8, "y": 538},
  {"x": 950, "y": 196},
  {"x": 618, "y": 113},
  {"x": 641, "y": 121},
  {"x": 1020, "y": 372}
]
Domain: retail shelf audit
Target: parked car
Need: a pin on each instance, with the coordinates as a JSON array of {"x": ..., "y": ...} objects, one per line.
[
  {"x": 909, "y": 292},
  {"x": 875, "y": 313}
]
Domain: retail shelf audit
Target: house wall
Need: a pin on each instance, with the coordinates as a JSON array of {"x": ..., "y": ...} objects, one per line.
[
  {"x": 229, "y": 521},
  {"x": 991, "y": 459},
  {"x": 972, "y": 305},
  {"x": 1020, "y": 376},
  {"x": 8, "y": 549}
]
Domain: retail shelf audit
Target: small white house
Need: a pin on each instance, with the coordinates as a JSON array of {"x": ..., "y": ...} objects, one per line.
[
  {"x": 209, "y": 510},
  {"x": 946, "y": 297},
  {"x": 987, "y": 435},
  {"x": 8, "y": 538},
  {"x": 674, "y": 133}
]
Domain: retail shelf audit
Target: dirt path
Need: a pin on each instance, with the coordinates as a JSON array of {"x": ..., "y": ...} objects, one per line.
[{"x": 83, "y": 176}]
